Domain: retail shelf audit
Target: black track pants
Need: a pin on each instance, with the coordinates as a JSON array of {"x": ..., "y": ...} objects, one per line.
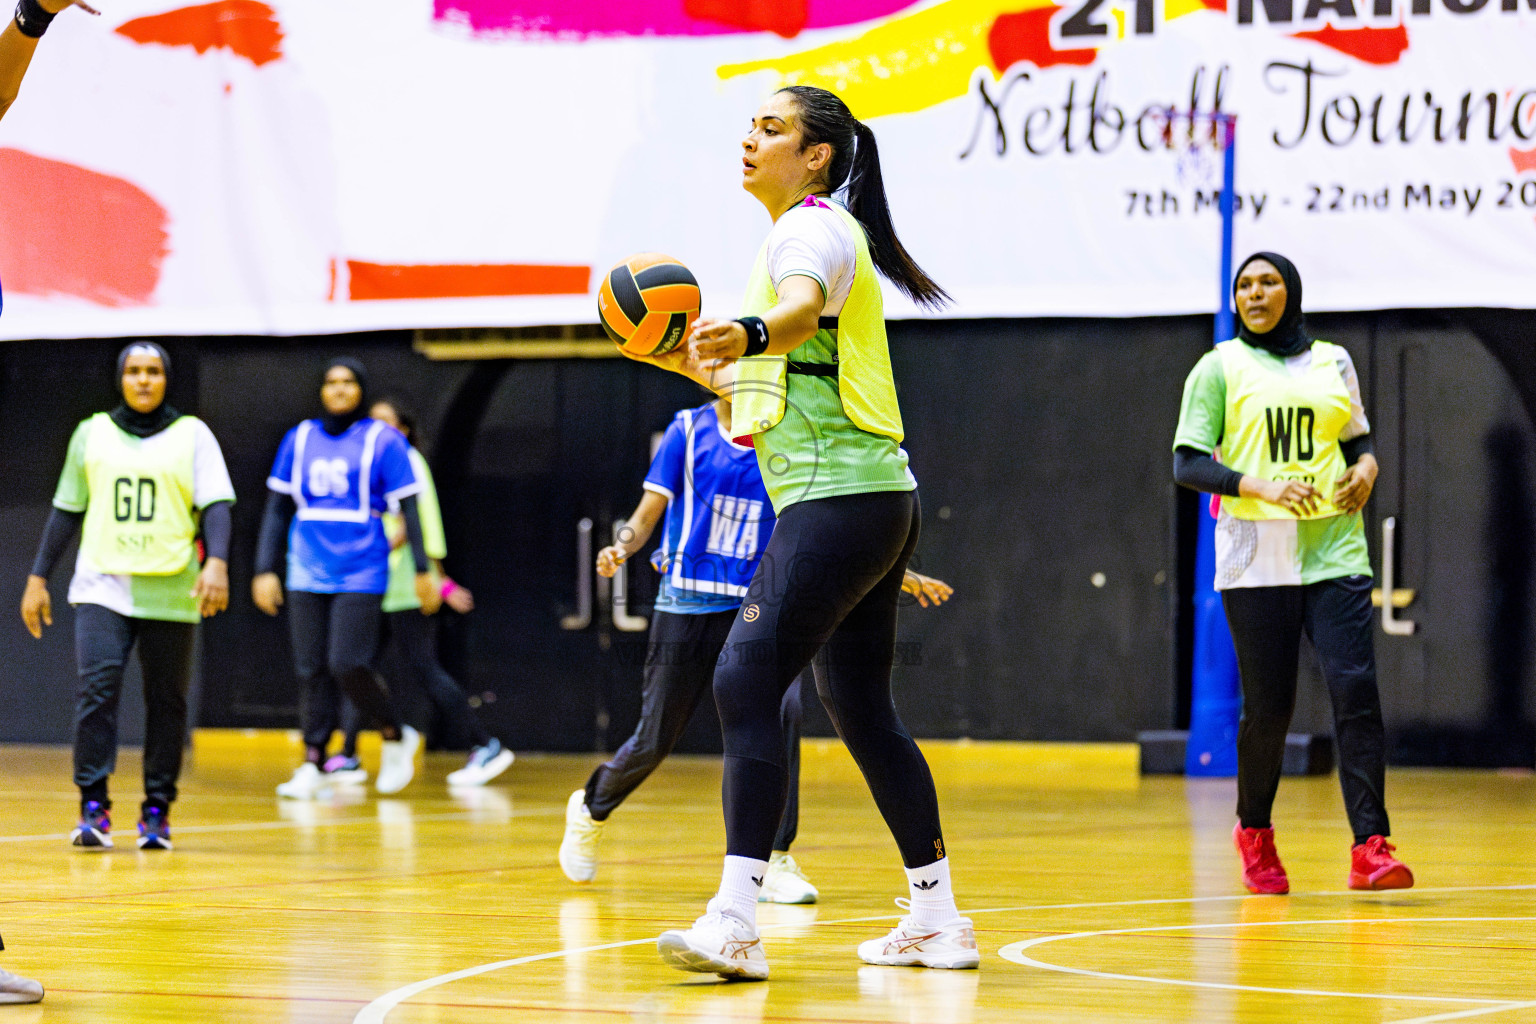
[
  {"x": 1266, "y": 625},
  {"x": 827, "y": 588},
  {"x": 415, "y": 637},
  {"x": 335, "y": 637},
  {"x": 680, "y": 660},
  {"x": 103, "y": 640}
]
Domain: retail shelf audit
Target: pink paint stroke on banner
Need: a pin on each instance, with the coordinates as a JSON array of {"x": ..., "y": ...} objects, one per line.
[
  {"x": 581, "y": 19},
  {"x": 1523, "y": 159},
  {"x": 79, "y": 233}
]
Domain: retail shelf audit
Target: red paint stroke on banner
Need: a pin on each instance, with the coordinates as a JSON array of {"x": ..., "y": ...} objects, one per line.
[
  {"x": 782, "y": 17},
  {"x": 246, "y": 28},
  {"x": 1215, "y": 5},
  {"x": 1027, "y": 36},
  {"x": 1372, "y": 45},
  {"x": 1523, "y": 159},
  {"x": 78, "y": 233},
  {"x": 580, "y": 19},
  {"x": 463, "y": 281}
]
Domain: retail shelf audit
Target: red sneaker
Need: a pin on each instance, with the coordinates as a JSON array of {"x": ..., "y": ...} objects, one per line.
[
  {"x": 1372, "y": 866},
  {"x": 1263, "y": 873}
]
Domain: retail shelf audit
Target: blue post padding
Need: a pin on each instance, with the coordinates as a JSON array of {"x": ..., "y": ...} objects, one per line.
[{"x": 1216, "y": 698}]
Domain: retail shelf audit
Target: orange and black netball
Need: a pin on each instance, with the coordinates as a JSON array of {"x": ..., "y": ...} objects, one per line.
[{"x": 647, "y": 302}]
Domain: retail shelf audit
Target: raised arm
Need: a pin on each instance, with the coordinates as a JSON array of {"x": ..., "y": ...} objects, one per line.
[
  {"x": 18, "y": 41},
  {"x": 790, "y": 323},
  {"x": 634, "y": 533}
]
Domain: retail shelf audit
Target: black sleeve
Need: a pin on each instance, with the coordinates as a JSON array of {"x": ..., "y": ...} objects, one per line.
[
  {"x": 218, "y": 524},
  {"x": 1196, "y": 470},
  {"x": 59, "y": 531},
  {"x": 272, "y": 541},
  {"x": 1356, "y": 447},
  {"x": 412, "y": 517}
]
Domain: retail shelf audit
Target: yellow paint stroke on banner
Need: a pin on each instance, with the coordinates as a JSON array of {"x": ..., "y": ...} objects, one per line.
[
  {"x": 909, "y": 63},
  {"x": 1178, "y": 8}
]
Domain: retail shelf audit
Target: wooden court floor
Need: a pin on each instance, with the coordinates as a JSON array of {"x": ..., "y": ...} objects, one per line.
[{"x": 1097, "y": 896}]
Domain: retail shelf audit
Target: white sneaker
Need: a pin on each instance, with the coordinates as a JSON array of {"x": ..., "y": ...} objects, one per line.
[
  {"x": 785, "y": 882},
  {"x": 307, "y": 781},
  {"x": 16, "y": 989},
  {"x": 397, "y": 765},
  {"x": 911, "y": 945},
  {"x": 718, "y": 943},
  {"x": 485, "y": 763},
  {"x": 578, "y": 850}
]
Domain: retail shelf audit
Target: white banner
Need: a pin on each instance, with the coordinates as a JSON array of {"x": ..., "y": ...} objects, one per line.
[{"x": 304, "y": 166}]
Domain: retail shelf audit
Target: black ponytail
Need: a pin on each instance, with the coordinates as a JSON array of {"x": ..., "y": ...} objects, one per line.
[{"x": 824, "y": 117}]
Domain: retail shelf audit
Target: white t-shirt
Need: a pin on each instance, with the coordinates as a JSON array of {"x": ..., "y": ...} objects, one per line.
[{"x": 812, "y": 240}]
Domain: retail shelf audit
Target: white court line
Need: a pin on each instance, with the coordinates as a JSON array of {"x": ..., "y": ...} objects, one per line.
[
  {"x": 376, "y": 1011},
  {"x": 261, "y": 826},
  {"x": 1463, "y": 1014},
  {"x": 1015, "y": 953}
]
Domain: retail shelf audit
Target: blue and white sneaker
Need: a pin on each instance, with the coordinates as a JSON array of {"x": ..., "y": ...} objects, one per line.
[
  {"x": 95, "y": 829},
  {"x": 485, "y": 763},
  {"x": 345, "y": 771},
  {"x": 155, "y": 829}
]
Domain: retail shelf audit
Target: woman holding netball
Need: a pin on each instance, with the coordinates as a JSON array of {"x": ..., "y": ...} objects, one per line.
[
  {"x": 333, "y": 479},
  {"x": 814, "y": 391},
  {"x": 1296, "y": 469}
]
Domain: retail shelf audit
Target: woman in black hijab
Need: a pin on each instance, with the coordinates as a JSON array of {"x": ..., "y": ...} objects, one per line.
[
  {"x": 333, "y": 479},
  {"x": 142, "y": 481},
  {"x": 1296, "y": 468}
]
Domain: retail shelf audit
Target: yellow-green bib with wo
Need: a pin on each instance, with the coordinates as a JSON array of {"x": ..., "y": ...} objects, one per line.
[
  {"x": 864, "y": 380},
  {"x": 140, "y": 520},
  {"x": 1281, "y": 426}
]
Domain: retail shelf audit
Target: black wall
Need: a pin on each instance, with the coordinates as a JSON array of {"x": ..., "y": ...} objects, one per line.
[{"x": 1042, "y": 452}]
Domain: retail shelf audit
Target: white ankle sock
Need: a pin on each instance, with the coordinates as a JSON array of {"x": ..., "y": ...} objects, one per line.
[
  {"x": 740, "y": 882},
  {"x": 933, "y": 901}
]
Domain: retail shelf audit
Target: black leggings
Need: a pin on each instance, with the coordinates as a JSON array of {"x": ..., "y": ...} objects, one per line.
[
  {"x": 827, "y": 589},
  {"x": 103, "y": 639},
  {"x": 1266, "y": 624},
  {"x": 415, "y": 637},
  {"x": 334, "y": 640},
  {"x": 680, "y": 660}
]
